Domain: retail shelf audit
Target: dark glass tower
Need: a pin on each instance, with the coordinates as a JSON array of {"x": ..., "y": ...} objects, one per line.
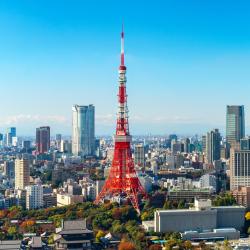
[{"x": 235, "y": 124}]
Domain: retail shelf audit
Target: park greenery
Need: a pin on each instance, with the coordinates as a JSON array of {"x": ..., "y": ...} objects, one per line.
[{"x": 121, "y": 221}]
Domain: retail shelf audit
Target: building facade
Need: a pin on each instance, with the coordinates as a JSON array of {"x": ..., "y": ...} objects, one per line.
[
  {"x": 213, "y": 146},
  {"x": 201, "y": 218},
  {"x": 139, "y": 155},
  {"x": 83, "y": 130},
  {"x": 235, "y": 124},
  {"x": 11, "y": 132},
  {"x": 34, "y": 196},
  {"x": 239, "y": 168},
  {"x": 22, "y": 173},
  {"x": 242, "y": 196},
  {"x": 43, "y": 139}
]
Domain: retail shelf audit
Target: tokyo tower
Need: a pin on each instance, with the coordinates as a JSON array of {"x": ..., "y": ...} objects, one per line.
[{"x": 122, "y": 181}]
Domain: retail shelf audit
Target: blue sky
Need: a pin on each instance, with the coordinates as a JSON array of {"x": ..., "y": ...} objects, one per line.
[{"x": 186, "y": 61}]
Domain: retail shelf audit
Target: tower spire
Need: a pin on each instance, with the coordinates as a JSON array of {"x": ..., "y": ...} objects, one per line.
[{"x": 122, "y": 47}]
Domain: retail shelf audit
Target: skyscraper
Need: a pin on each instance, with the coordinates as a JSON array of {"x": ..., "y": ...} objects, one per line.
[
  {"x": 83, "y": 130},
  {"x": 22, "y": 173},
  {"x": 43, "y": 139},
  {"x": 239, "y": 168},
  {"x": 213, "y": 146},
  {"x": 11, "y": 132},
  {"x": 235, "y": 127}
]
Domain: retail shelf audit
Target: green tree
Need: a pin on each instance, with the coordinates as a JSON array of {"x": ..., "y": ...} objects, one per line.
[
  {"x": 99, "y": 235},
  {"x": 12, "y": 232},
  {"x": 2, "y": 235},
  {"x": 51, "y": 239},
  {"x": 102, "y": 221},
  {"x": 170, "y": 244},
  {"x": 187, "y": 245},
  {"x": 226, "y": 245},
  {"x": 181, "y": 204},
  {"x": 167, "y": 205}
]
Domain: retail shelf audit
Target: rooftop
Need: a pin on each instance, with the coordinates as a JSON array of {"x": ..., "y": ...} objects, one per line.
[
  {"x": 74, "y": 224},
  {"x": 10, "y": 244}
]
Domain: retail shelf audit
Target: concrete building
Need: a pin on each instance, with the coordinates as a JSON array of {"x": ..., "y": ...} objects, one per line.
[
  {"x": 65, "y": 199},
  {"x": 242, "y": 196},
  {"x": 49, "y": 200},
  {"x": 66, "y": 146},
  {"x": 34, "y": 196},
  {"x": 239, "y": 168},
  {"x": 146, "y": 182},
  {"x": 176, "y": 146},
  {"x": 204, "y": 143},
  {"x": 9, "y": 169},
  {"x": 43, "y": 139},
  {"x": 203, "y": 217},
  {"x": 22, "y": 173},
  {"x": 83, "y": 130},
  {"x": 218, "y": 233},
  {"x": 235, "y": 127},
  {"x": 208, "y": 181},
  {"x": 21, "y": 197},
  {"x": 188, "y": 194},
  {"x": 139, "y": 155}
]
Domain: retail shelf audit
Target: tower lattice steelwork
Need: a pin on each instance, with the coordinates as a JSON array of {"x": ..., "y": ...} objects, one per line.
[{"x": 122, "y": 180}]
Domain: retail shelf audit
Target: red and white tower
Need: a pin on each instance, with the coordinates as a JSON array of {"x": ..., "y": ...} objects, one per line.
[{"x": 122, "y": 180}]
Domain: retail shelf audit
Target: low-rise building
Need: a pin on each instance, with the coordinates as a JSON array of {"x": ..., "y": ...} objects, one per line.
[
  {"x": 65, "y": 199},
  {"x": 202, "y": 217},
  {"x": 189, "y": 194},
  {"x": 219, "y": 234}
]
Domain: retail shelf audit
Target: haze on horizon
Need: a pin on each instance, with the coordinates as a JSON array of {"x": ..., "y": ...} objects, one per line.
[{"x": 185, "y": 62}]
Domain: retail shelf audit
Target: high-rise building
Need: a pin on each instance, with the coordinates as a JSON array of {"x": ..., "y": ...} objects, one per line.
[
  {"x": 176, "y": 147},
  {"x": 204, "y": 143},
  {"x": 235, "y": 127},
  {"x": 9, "y": 169},
  {"x": 139, "y": 155},
  {"x": 22, "y": 173},
  {"x": 239, "y": 168},
  {"x": 58, "y": 141},
  {"x": 213, "y": 146},
  {"x": 43, "y": 139},
  {"x": 34, "y": 196},
  {"x": 186, "y": 144},
  {"x": 245, "y": 143},
  {"x": 83, "y": 130},
  {"x": 1, "y": 140},
  {"x": 66, "y": 146},
  {"x": 11, "y": 132},
  {"x": 26, "y": 145}
]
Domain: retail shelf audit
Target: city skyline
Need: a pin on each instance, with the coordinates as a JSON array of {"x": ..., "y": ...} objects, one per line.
[{"x": 188, "y": 67}]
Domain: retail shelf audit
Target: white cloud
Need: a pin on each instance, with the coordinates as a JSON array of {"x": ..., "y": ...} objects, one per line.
[{"x": 27, "y": 118}]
